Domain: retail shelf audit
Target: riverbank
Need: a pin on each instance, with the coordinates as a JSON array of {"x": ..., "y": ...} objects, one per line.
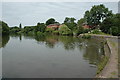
[
  {"x": 110, "y": 70},
  {"x": 98, "y": 35}
]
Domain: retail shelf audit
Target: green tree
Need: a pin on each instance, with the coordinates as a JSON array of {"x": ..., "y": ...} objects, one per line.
[
  {"x": 28, "y": 29},
  {"x": 111, "y": 25},
  {"x": 50, "y": 21},
  {"x": 97, "y": 14},
  {"x": 81, "y": 22},
  {"x": 40, "y": 27},
  {"x": 70, "y": 22},
  {"x": 14, "y": 29},
  {"x": 4, "y": 27}
]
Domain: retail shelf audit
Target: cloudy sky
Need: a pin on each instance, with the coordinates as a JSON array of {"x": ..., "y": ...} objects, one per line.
[{"x": 29, "y": 13}]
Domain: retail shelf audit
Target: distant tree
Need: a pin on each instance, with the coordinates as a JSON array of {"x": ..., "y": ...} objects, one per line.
[
  {"x": 50, "y": 21},
  {"x": 40, "y": 27},
  {"x": 20, "y": 26},
  {"x": 14, "y": 29},
  {"x": 97, "y": 14},
  {"x": 28, "y": 29},
  {"x": 79, "y": 29},
  {"x": 70, "y": 22}
]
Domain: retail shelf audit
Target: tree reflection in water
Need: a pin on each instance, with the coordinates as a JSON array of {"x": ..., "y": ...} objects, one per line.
[
  {"x": 4, "y": 40},
  {"x": 92, "y": 48}
]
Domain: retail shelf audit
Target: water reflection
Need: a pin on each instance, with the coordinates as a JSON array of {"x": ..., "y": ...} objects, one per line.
[
  {"x": 93, "y": 49},
  {"x": 4, "y": 40},
  {"x": 68, "y": 55}
]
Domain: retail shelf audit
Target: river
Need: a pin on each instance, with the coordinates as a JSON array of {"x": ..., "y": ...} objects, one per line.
[{"x": 50, "y": 56}]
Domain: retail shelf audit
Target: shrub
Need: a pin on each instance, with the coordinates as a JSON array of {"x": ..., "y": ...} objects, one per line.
[
  {"x": 96, "y": 31},
  {"x": 86, "y": 30},
  {"x": 64, "y": 30},
  {"x": 40, "y": 33},
  {"x": 50, "y": 30},
  {"x": 56, "y": 32}
]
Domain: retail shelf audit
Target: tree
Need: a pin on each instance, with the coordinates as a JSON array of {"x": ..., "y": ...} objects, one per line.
[
  {"x": 70, "y": 22},
  {"x": 28, "y": 29},
  {"x": 4, "y": 27},
  {"x": 111, "y": 25},
  {"x": 40, "y": 27},
  {"x": 14, "y": 29},
  {"x": 20, "y": 26},
  {"x": 50, "y": 21},
  {"x": 97, "y": 14},
  {"x": 81, "y": 22}
]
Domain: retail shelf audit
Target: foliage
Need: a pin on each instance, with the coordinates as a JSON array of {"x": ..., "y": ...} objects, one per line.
[
  {"x": 111, "y": 25},
  {"x": 78, "y": 31},
  {"x": 40, "y": 27},
  {"x": 86, "y": 30},
  {"x": 28, "y": 29},
  {"x": 97, "y": 14},
  {"x": 40, "y": 34},
  {"x": 64, "y": 30},
  {"x": 96, "y": 31},
  {"x": 51, "y": 21},
  {"x": 56, "y": 32},
  {"x": 81, "y": 22},
  {"x": 49, "y": 30},
  {"x": 4, "y": 27},
  {"x": 70, "y": 22},
  {"x": 14, "y": 29}
]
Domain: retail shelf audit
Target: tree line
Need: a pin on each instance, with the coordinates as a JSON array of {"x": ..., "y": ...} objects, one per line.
[{"x": 98, "y": 17}]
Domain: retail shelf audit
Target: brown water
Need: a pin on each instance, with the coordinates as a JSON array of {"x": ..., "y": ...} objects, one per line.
[{"x": 49, "y": 57}]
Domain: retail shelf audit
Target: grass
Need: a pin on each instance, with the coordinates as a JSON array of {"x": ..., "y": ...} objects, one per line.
[{"x": 102, "y": 64}]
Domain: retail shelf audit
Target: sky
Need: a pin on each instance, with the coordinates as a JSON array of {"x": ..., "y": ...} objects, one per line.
[{"x": 30, "y": 13}]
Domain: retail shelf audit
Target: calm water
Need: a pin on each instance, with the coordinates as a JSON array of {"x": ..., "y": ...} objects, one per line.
[{"x": 49, "y": 57}]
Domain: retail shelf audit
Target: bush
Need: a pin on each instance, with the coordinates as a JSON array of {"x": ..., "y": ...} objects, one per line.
[
  {"x": 40, "y": 33},
  {"x": 114, "y": 31},
  {"x": 56, "y": 32},
  {"x": 64, "y": 30},
  {"x": 49, "y": 30},
  {"x": 96, "y": 31},
  {"x": 86, "y": 30}
]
